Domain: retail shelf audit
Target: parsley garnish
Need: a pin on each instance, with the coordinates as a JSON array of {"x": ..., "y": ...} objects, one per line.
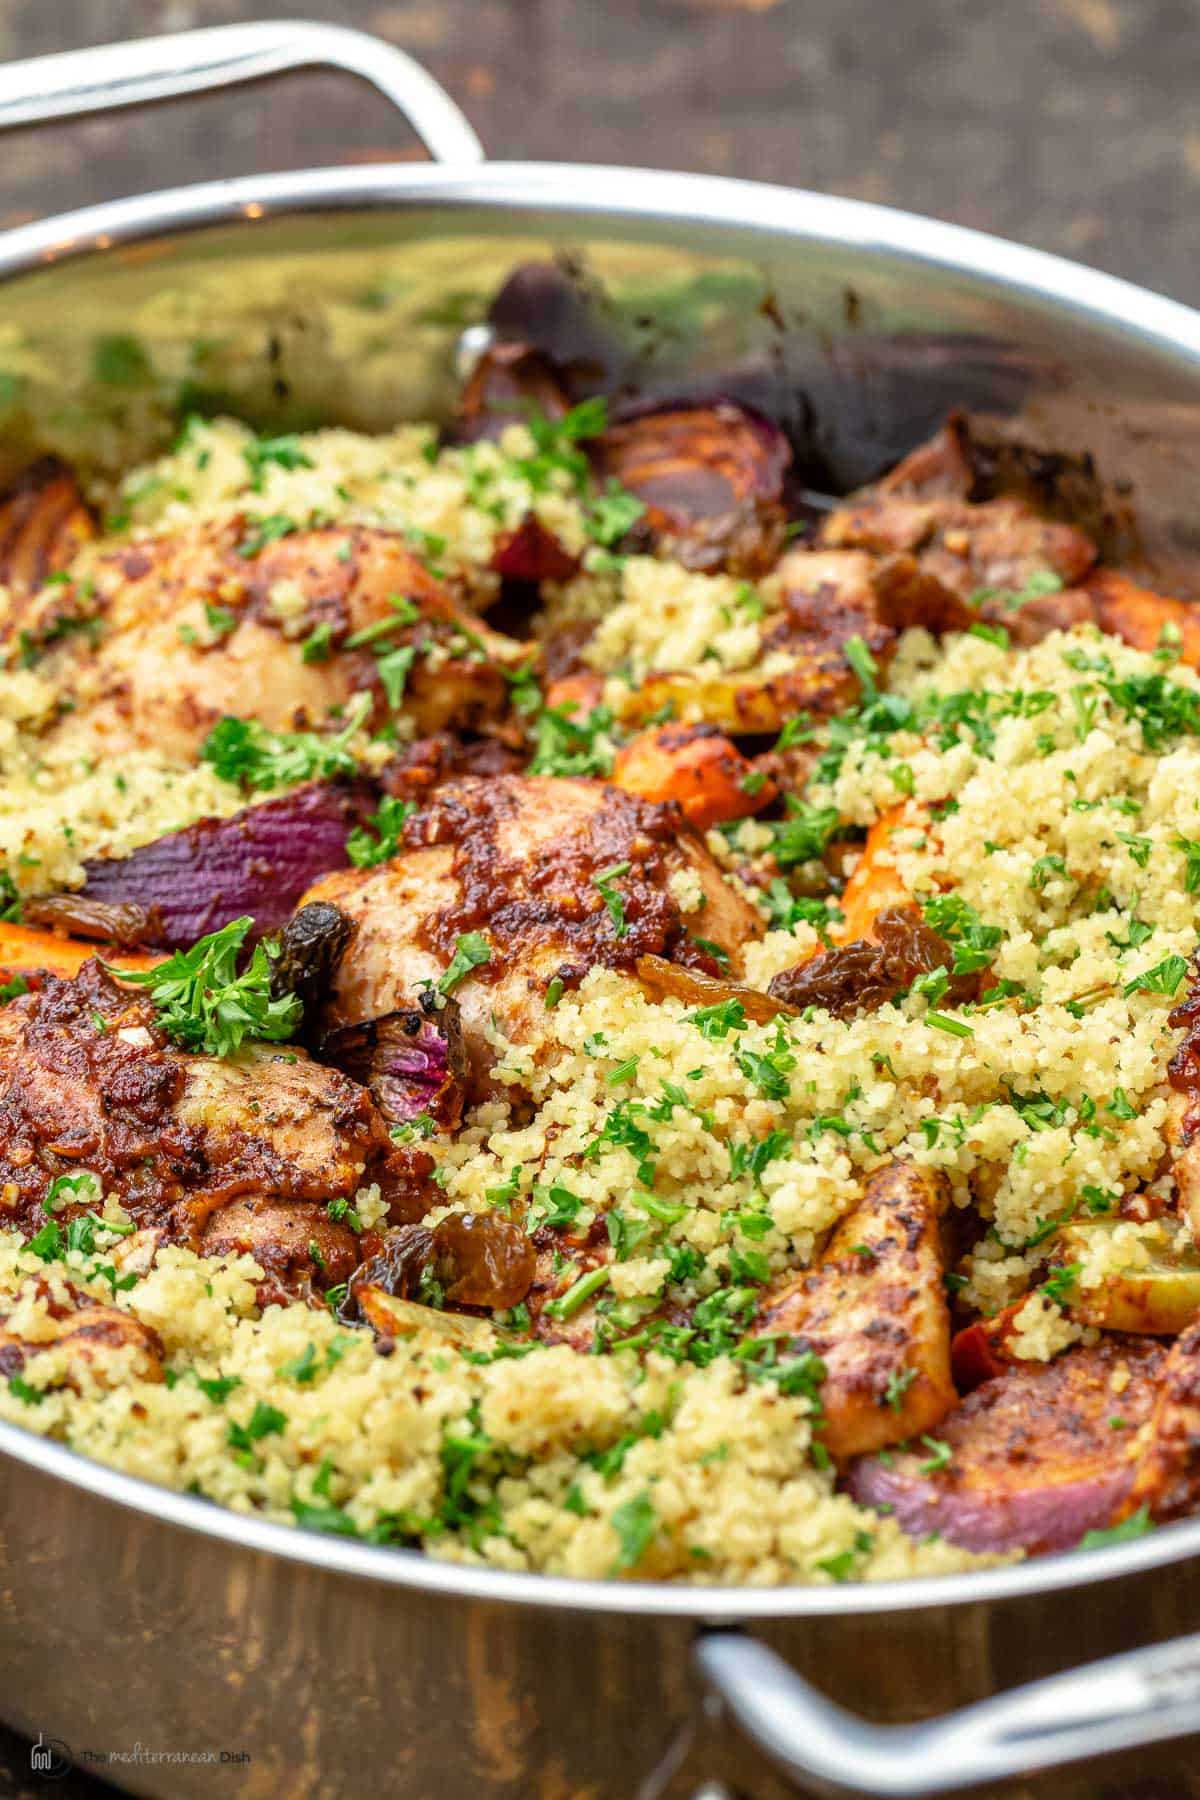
[
  {"x": 1163, "y": 978},
  {"x": 1135, "y": 1526},
  {"x": 471, "y": 951},
  {"x": 614, "y": 901},
  {"x": 1042, "y": 581},
  {"x": 383, "y": 834},
  {"x": 898, "y": 1385},
  {"x": 568, "y": 746},
  {"x": 243, "y": 751},
  {"x": 261, "y": 532},
  {"x": 204, "y": 1004},
  {"x": 858, "y": 655},
  {"x": 957, "y": 921},
  {"x": 284, "y": 452},
  {"x": 612, "y": 514},
  {"x": 635, "y": 1523},
  {"x": 803, "y": 835},
  {"x": 555, "y": 444},
  {"x": 719, "y": 1020},
  {"x": 317, "y": 647},
  {"x": 262, "y": 1422}
]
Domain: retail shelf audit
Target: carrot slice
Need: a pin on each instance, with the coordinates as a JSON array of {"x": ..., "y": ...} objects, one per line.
[
  {"x": 27, "y": 952},
  {"x": 875, "y": 884},
  {"x": 694, "y": 766}
]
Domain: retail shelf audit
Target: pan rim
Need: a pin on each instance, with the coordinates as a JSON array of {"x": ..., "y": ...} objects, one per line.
[{"x": 761, "y": 211}]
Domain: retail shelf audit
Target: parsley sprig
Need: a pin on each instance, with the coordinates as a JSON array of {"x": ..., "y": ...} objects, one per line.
[
  {"x": 245, "y": 752},
  {"x": 382, "y": 835},
  {"x": 203, "y": 1002}
]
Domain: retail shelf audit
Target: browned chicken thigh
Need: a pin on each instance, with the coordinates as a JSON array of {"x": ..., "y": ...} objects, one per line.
[
  {"x": 556, "y": 876},
  {"x": 244, "y": 1153},
  {"x": 184, "y": 630}
]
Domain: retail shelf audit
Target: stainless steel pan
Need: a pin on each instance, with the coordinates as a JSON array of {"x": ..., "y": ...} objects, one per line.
[{"x": 155, "y": 1635}]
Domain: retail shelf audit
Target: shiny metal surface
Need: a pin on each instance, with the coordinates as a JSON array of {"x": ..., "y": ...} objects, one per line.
[
  {"x": 108, "y": 76},
  {"x": 340, "y": 296}
]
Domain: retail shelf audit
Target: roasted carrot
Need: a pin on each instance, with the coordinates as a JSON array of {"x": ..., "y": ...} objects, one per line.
[
  {"x": 698, "y": 768},
  {"x": 875, "y": 883},
  {"x": 26, "y": 952}
]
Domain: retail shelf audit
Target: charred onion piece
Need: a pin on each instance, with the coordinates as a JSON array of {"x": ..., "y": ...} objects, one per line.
[
  {"x": 532, "y": 553},
  {"x": 44, "y": 523},
  {"x": 1060, "y": 484},
  {"x": 863, "y": 976},
  {"x": 413, "y": 1062},
  {"x": 474, "y": 1259},
  {"x": 711, "y": 479},
  {"x": 1030, "y": 1460},
  {"x": 666, "y": 980},
  {"x": 259, "y": 862},
  {"x": 505, "y": 383}
]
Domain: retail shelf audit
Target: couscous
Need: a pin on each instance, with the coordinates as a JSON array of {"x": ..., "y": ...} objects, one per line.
[{"x": 719, "y": 1072}]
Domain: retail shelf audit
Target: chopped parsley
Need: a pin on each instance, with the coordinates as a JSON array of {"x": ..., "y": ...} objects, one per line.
[
  {"x": 803, "y": 835},
  {"x": 957, "y": 921},
  {"x": 1163, "y": 978},
  {"x": 382, "y": 836},
  {"x": 282, "y": 452},
  {"x": 940, "y": 1457},
  {"x": 261, "y": 532},
  {"x": 614, "y": 901},
  {"x": 715, "y": 1022},
  {"x": 612, "y": 514},
  {"x": 566, "y": 745},
  {"x": 635, "y": 1523},
  {"x": 203, "y": 1002},
  {"x": 556, "y": 444},
  {"x": 471, "y": 951},
  {"x": 262, "y": 1422},
  {"x": 1135, "y": 1526},
  {"x": 245, "y": 752}
]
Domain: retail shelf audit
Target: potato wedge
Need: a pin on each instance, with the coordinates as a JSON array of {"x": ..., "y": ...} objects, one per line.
[{"x": 874, "y": 1310}]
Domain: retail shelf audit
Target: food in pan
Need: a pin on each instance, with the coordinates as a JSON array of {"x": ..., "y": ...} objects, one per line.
[{"x": 562, "y": 1010}]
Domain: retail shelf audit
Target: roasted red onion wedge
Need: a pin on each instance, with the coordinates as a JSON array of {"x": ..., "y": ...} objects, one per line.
[
  {"x": 259, "y": 862},
  {"x": 412, "y": 1061},
  {"x": 505, "y": 383},
  {"x": 531, "y": 553},
  {"x": 711, "y": 479},
  {"x": 1029, "y": 1461}
]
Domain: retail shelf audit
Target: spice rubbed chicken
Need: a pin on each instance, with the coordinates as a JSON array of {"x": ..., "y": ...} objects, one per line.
[{"x": 561, "y": 1009}]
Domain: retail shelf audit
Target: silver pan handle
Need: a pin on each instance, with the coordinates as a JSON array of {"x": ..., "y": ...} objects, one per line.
[
  {"x": 1125, "y": 1702},
  {"x": 195, "y": 62}
]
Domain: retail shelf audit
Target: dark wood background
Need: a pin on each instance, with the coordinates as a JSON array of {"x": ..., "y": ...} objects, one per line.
[{"x": 1071, "y": 124}]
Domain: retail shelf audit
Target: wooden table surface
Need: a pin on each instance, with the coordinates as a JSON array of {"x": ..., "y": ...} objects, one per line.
[{"x": 1070, "y": 124}]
